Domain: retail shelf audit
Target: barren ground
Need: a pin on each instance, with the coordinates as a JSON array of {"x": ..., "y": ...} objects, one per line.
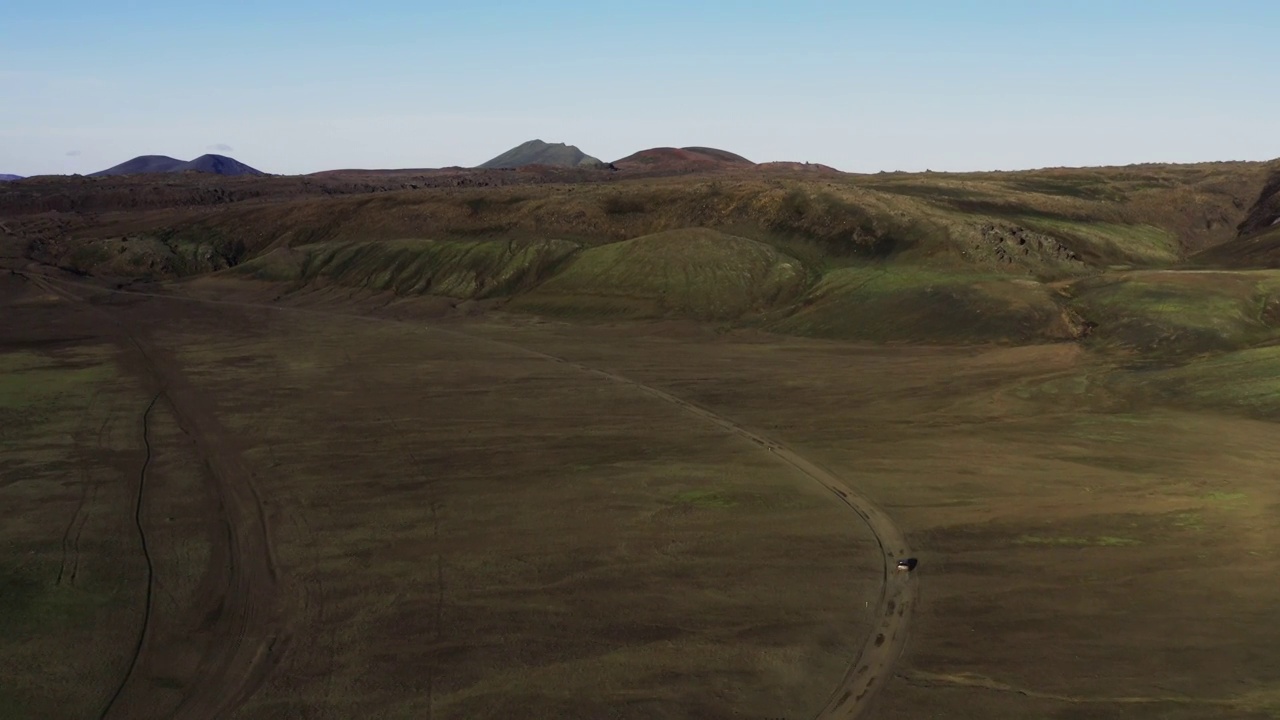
[{"x": 348, "y": 518}]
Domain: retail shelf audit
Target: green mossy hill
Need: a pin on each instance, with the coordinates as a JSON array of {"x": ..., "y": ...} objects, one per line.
[
  {"x": 693, "y": 273},
  {"x": 1181, "y": 312},
  {"x": 921, "y": 304},
  {"x": 451, "y": 268}
]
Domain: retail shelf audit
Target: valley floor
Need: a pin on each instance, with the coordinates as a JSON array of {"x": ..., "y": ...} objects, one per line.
[{"x": 288, "y": 514}]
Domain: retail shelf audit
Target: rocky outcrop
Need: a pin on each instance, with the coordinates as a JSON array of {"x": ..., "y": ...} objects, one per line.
[{"x": 1012, "y": 244}]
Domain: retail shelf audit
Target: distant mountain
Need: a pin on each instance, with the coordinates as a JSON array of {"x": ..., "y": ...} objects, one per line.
[
  {"x": 220, "y": 165},
  {"x": 537, "y": 152},
  {"x": 142, "y": 164},
  {"x": 9, "y": 178},
  {"x": 690, "y": 159},
  {"x": 214, "y": 164}
]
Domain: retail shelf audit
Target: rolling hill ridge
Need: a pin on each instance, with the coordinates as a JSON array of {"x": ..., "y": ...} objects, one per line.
[{"x": 1059, "y": 255}]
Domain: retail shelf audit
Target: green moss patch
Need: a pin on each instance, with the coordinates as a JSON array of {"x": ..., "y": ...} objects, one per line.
[
  {"x": 705, "y": 499},
  {"x": 28, "y": 380},
  {"x": 925, "y": 304},
  {"x": 694, "y": 273}
]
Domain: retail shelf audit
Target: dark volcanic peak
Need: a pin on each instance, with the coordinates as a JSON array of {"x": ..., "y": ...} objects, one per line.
[
  {"x": 214, "y": 164},
  {"x": 9, "y": 178},
  {"x": 537, "y": 152},
  {"x": 219, "y": 165},
  {"x": 142, "y": 164}
]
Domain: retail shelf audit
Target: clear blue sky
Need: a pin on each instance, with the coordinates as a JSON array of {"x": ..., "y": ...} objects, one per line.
[{"x": 298, "y": 86}]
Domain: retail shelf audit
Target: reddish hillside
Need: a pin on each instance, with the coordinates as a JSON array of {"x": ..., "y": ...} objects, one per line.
[
  {"x": 722, "y": 155},
  {"x": 681, "y": 160}
]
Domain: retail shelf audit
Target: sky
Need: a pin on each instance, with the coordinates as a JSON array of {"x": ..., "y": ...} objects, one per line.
[{"x": 297, "y": 86}]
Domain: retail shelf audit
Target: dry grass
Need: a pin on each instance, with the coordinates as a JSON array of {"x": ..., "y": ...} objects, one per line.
[
  {"x": 469, "y": 531},
  {"x": 487, "y": 534},
  {"x": 1129, "y": 534},
  {"x": 70, "y": 592}
]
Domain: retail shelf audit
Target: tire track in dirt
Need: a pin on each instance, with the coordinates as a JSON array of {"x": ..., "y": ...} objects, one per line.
[
  {"x": 84, "y": 520},
  {"x": 246, "y": 621},
  {"x": 244, "y": 616},
  {"x": 70, "y": 562},
  {"x": 971, "y": 680},
  {"x": 873, "y": 665},
  {"x": 146, "y": 556}
]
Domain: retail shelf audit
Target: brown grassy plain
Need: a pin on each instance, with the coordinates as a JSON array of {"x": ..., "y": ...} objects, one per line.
[
  {"x": 471, "y": 530},
  {"x": 459, "y": 531},
  {"x": 1084, "y": 553}
]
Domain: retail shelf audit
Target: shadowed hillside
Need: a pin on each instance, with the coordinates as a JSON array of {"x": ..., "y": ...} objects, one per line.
[
  {"x": 9, "y": 178},
  {"x": 1265, "y": 213},
  {"x": 1258, "y": 243}
]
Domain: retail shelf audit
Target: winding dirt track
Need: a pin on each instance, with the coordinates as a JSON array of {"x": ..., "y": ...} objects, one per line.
[
  {"x": 869, "y": 671},
  {"x": 874, "y": 662}
]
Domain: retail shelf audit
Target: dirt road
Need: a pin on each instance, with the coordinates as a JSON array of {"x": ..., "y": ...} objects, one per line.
[
  {"x": 875, "y": 661},
  {"x": 872, "y": 666}
]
